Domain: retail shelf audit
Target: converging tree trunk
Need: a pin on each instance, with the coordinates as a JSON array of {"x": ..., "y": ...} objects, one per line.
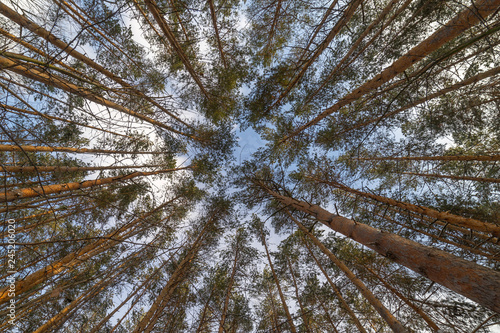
[
  {"x": 393, "y": 323},
  {"x": 51, "y": 189},
  {"x": 461, "y": 22},
  {"x": 480, "y": 284}
]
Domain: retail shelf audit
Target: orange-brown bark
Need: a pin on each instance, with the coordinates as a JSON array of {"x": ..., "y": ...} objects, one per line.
[
  {"x": 346, "y": 16},
  {"x": 40, "y": 75},
  {"x": 415, "y": 308},
  {"x": 72, "y": 150},
  {"x": 443, "y": 216},
  {"x": 435, "y": 175},
  {"x": 153, "y": 8},
  {"x": 461, "y": 22},
  {"x": 393, "y": 323},
  {"x": 469, "y": 279},
  {"x": 51, "y": 189},
  {"x": 49, "y": 37},
  {"x": 26, "y": 169},
  {"x": 76, "y": 258}
]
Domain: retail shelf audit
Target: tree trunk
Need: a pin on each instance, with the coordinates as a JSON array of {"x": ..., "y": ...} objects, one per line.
[
  {"x": 487, "y": 158},
  {"x": 216, "y": 29},
  {"x": 316, "y": 31},
  {"x": 26, "y": 169},
  {"x": 64, "y": 314},
  {"x": 153, "y": 8},
  {"x": 464, "y": 20},
  {"x": 433, "y": 175},
  {"x": 49, "y": 37},
  {"x": 275, "y": 313},
  {"x": 149, "y": 319},
  {"x": 443, "y": 216},
  {"x": 478, "y": 283},
  {"x": 205, "y": 308},
  {"x": 228, "y": 293},
  {"x": 302, "y": 311},
  {"x": 46, "y": 116},
  {"x": 40, "y": 75},
  {"x": 336, "y": 291},
  {"x": 73, "y": 150},
  {"x": 358, "y": 41},
  {"x": 469, "y": 248},
  {"x": 37, "y": 224},
  {"x": 282, "y": 297},
  {"x": 76, "y": 258},
  {"x": 273, "y": 24},
  {"x": 51, "y": 189},
  {"x": 346, "y": 17},
  {"x": 393, "y": 323},
  {"x": 329, "y": 318},
  {"x": 139, "y": 298},
  {"x": 472, "y": 80},
  {"x": 415, "y": 308}
]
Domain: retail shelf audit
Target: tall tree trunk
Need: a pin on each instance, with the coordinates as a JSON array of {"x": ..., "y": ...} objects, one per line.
[
  {"x": 139, "y": 298},
  {"x": 23, "y": 21},
  {"x": 41, "y": 203},
  {"x": 14, "y": 109},
  {"x": 454, "y": 87},
  {"x": 302, "y": 311},
  {"x": 40, "y": 75},
  {"x": 393, "y": 323},
  {"x": 336, "y": 290},
  {"x": 142, "y": 286},
  {"x": 276, "y": 280},
  {"x": 358, "y": 41},
  {"x": 51, "y": 189},
  {"x": 434, "y": 175},
  {"x": 153, "y": 8},
  {"x": 487, "y": 158},
  {"x": 439, "y": 238},
  {"x": 273, "y": 24},
  {"x": 73, "y": 150},
  {"x": 415, "y": 308},
  {"x": 216, "y": 29},
  {"x": 430, "y": 221},
  {"x": 478, "y": 283},
  {"x": 461, "y": 22},
  {"x": 65, "y": 313},
  {"x": 26, "y": 169},
  {"x": 325, "y": 310},
  {"x": 443, "y": 216},
  {"x": 148, "y": 322},
  {"x": 37, "y": 224},
  {"x": 327, "y": 14},
  {"x": 228, "y": 292},
  {"x": 205, "y": 309},
  {"x": 345, "y": 18},
  {"x": 75, "y": 258},
  {"x": 275, "y": 313}
]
